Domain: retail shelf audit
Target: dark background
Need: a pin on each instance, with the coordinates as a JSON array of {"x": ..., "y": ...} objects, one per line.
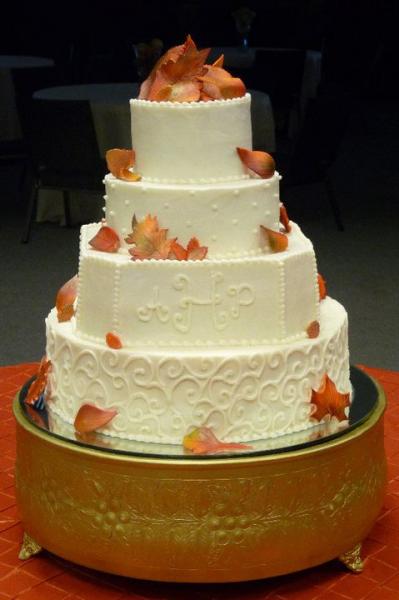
[{"x": 359, "y": 38}]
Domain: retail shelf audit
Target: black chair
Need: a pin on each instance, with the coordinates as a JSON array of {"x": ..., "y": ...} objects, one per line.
[
  {"x": 64, "y": 151},
  {"x": 317, "y": 145},
  {"x": 18, "y": 151},
  {"x": 279, "y": 73}
]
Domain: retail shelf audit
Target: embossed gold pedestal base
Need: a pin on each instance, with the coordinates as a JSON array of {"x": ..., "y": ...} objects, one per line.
[
  {"x": 353, "y": 559},
  {"x": 193, "y": 520},
  {"x": 29, "y": 547}
]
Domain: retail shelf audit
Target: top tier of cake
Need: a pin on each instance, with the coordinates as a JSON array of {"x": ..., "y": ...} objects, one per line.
[{"x": 191, "y": 142}]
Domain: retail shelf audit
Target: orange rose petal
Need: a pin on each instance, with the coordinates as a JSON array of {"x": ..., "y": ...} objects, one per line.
[
  {"x": 328, "y": 401},
  {"x": 205, "y": 97},
  {"x": 106, "y": 240},
  {"x": 119, "y": 162},
  {"x": 195, "y": 251},
  {"x": 210, "y": 89},
  {"x": 38, "y": 386},
  {"x": 203, "y": 441},
  {"x": 257, "y": 161},
  {"x": 90, "y": 417},
  {"x": 219, "y": 84},
  {"x": 177, "y": 251},
  {"x": 65, "y": 299},
  {"x": 182, "y": 91},
  {"x": 232, "y": 88},
  {"x": 313, "y": 329},
  {"x": 278, "y": 242},
  {"x": 118, "y": 159},
  {"x": 322, "y": 287},
  {"x": 126, "y": 175},
  {"x": 66, "y": 313},
  {"x": 284, "y": 220},
  {"x": 113, "y": 341}
]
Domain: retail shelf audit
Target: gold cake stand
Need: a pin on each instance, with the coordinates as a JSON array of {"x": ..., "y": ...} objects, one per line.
[{"x": 215, "y": 519}]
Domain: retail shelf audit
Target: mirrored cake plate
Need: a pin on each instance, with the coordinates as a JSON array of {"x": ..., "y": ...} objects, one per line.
[{"x": 153, "y": 511}]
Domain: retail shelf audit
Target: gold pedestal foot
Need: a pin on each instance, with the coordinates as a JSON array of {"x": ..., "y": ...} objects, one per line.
[
  {"x": 352, "y": 559},
  {"x": 29, "y": 548}
]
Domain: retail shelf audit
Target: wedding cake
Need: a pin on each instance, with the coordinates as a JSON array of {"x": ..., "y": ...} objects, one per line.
[{"x": 198, "y": 303}]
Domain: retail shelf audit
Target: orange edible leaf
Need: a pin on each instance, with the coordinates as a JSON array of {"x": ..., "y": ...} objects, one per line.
[
  {"x": 284, "y": 220},
  {"x": 119, "y": 162},
  {"x": 194, "y": 250},
  {"x": 218, "y": 84},
  {"x": 257, "y": 161},
  {"x": 313, "y": 329},
  {"x": 181, "y": 91},
  {"x": 322, "y": 286},
  {"x": 203, "y": 441},
  {"x": 38, "y": 386},
  {"x": 149, "y": 240},
  {"x": 174, "y": 76},
  {"x": 113, "y": 340},
  {"x": 278, "y": 242},
  {"x": 65, "y": 298},
  {"x": 89, "y": 417},
  {"x": 328, "y": 401},
  {"x": 219, "y": 62},
  {"x": 106, "y": 240},
  {"x": 170, "y": 55}
]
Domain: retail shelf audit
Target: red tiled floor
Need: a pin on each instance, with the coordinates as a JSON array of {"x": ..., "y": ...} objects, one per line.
[{"x": 47, "y": 577}]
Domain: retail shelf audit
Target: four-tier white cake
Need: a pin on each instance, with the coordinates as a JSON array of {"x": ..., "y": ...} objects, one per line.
[{"x": 221, "y": 342}]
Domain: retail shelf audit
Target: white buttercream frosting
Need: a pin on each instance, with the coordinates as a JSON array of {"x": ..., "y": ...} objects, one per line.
[
  {"x": 193, "y": 142},
  {"x": 160, "y": 395},
  {"x": 263, "y": 299},
  {"x": 206, "y": 211}
]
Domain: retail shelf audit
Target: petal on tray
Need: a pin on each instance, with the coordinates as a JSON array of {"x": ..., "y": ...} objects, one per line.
[{"x": 89, "y": 418}]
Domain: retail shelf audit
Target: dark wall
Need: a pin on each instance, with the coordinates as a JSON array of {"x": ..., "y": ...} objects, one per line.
[{"x": 355, "y": 34}]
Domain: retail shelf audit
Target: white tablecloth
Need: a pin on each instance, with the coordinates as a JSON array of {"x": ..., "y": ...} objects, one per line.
[
  {"x": 9, "y": 122},
  {"x": 111, "y": 116}
]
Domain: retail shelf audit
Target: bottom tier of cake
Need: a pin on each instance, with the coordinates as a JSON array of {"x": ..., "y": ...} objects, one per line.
[{"x": 243, "y": 393}]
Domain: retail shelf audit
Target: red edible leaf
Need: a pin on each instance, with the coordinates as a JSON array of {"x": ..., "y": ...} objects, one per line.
[
  {"x": 194, "y": 250},
  {"x": 106, "y": 240},
  {"x": 257, "y": 161},
  {"x": 89, "y": 417},
  {"x": 65, "y": 299},
  {"x": 119, "y": 162},
  {"x": 322, "y": 287},
  {"x": 278, "y": 242},
  {"x": 284, "y": 220},
  {"x": 328, "y": 401},
  {"x": 203, "y": 441},
  {"x": 113, "y": 341},
  {"x": 38, "y": 386},
  {"x": 313, "y": 329}
]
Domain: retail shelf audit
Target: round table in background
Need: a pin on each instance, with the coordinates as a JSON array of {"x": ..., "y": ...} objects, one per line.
[{"x": 109, "y": 105}]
